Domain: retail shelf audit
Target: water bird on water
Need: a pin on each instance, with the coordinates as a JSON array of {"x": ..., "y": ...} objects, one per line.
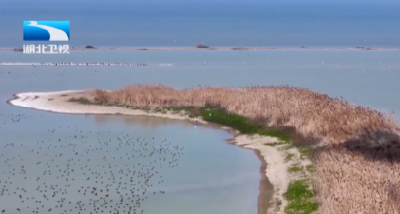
[{"x": 73, "y": 159}]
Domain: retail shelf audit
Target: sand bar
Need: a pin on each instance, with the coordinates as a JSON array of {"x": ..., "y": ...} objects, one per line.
[{"x": 220, "y": 48}]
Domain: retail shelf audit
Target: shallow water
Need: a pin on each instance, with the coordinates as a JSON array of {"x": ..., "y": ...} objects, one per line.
[
  {"x": 212, "y": 177},
  {"x": 198, "y": 170}
]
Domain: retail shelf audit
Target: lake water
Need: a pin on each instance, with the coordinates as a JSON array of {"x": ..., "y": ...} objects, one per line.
[
  {"x": 211, "y": 176},
  {"x": 216, "y": 23}
]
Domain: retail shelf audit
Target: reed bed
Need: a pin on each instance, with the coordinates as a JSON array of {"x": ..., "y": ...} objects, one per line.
[
  {"x": 313, "y": 114},
  {"x": 352, "y": 174},
  {"x": 348, "y": 183}
]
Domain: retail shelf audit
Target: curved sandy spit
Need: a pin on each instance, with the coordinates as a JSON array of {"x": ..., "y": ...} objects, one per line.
[{"x": 276, "y": 170}]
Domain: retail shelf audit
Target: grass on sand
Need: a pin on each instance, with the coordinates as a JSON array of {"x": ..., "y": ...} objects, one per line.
[{"x": 299, "y": 195}]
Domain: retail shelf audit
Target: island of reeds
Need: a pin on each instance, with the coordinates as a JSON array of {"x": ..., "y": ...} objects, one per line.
[{"x": 355, "y": 151}]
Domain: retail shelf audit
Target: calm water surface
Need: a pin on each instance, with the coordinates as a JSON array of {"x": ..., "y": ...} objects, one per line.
[
  {"x": 211, "y": 176},
  {"x": 216, "y": 23},
  {"x": 54, "y": 155}
]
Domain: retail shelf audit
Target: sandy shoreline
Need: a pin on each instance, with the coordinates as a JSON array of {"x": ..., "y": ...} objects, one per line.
[
  {"x": 274, "y": 169},
  {"x": 220, "y": 48}
]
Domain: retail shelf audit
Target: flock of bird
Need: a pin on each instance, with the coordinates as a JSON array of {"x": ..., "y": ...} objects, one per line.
[
  {"x": 12, "y": 76},
  {"x": 72, "y": 170},
  {"x": 95, "y": 64},
  {"x": 13, "y": 118}
]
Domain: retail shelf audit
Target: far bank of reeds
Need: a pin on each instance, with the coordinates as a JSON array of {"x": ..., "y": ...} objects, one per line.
[{"x": 357, "y": 163}]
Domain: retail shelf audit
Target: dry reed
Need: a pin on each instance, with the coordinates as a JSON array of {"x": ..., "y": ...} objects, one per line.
[
  {"x": 313, "y": 114},
  {"x": 348, "y": 183},
  {"x": 346, "y": 180}
]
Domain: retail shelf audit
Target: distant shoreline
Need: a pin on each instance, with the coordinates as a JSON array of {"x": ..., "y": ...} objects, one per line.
[{"x": 221, "y": 48}]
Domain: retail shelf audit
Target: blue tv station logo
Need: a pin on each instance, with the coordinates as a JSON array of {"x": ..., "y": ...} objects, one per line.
[{"x": 57, "y": 31}]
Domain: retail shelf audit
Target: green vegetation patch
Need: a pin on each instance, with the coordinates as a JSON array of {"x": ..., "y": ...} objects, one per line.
[
  {"x": 218, "y": 116},
  {"x": 81, "y": 100},
  {"x": 289, "y": 156},
  {"x": 275, "y": 143},
  {"x": 240, "y": 123},
  {"x": 299, "y": 197},
  {"x": 306, "y": 151},
  {"x": 295, "y": 168},
  {"x": 177, "y": 109},
  {"x": 287, "y": 146},
  {"x": 310, "y": 168},
  {"x": 157, "y": 109}
]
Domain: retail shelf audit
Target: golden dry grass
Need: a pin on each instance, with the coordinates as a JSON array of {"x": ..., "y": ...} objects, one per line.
[
  {"x": 313, "y": 114},
  {"x": 347, "y": 179},
  {"x": 348, "y": 183}
]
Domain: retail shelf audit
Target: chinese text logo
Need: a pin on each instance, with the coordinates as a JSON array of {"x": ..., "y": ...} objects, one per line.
[{"x": 46, "y": 49}]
